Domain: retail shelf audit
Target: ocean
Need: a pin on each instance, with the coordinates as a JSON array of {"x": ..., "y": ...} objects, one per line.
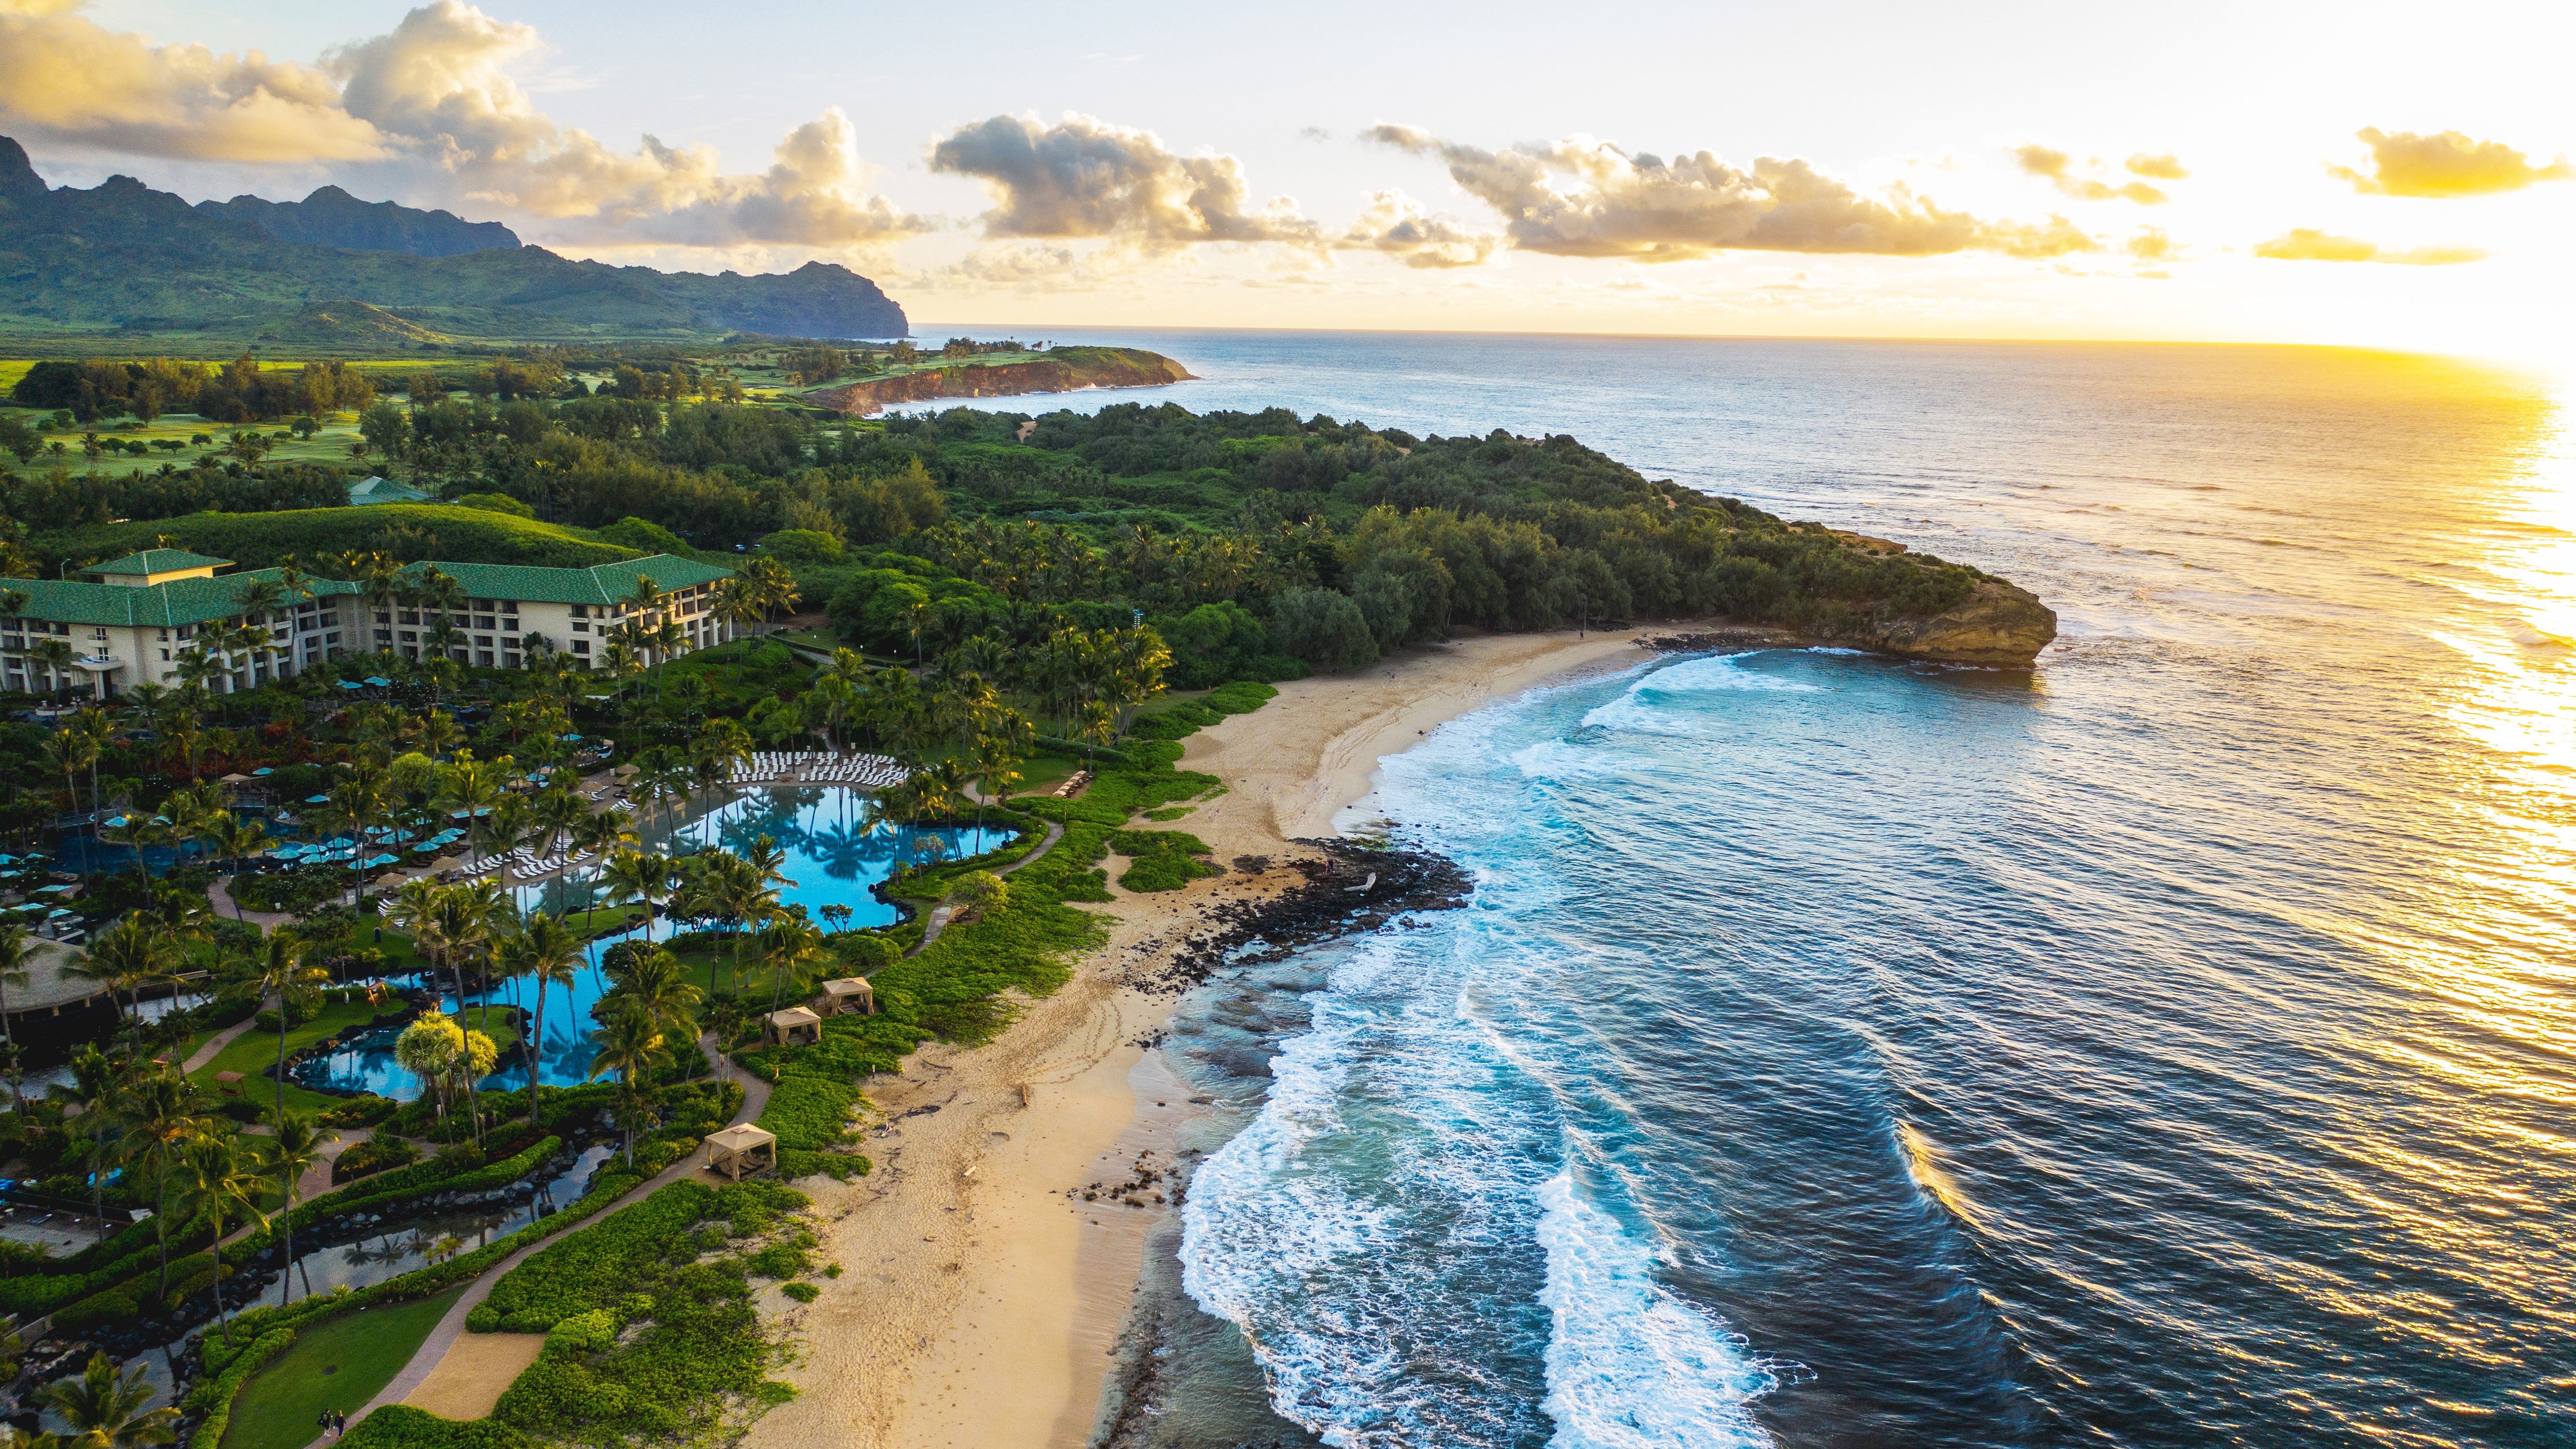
[{"x": 2170, "y": 1045}]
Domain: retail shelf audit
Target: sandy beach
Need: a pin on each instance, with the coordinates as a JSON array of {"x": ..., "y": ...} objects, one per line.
[{"x": 980, "y": 1295}]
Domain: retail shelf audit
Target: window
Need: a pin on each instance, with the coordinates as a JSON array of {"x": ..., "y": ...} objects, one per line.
[
  {"x": 509, "y": 661},
  {"x": 580, "y": 646},
  {"x": 382, "y": 618},
  {"x": 411, "y": 616},
  {"x": 410, "y": 638},
  {"x": 165, "y": 658},
  {"x": 580, "y": 611},
  {"x": 482, "y": 657},
  {"x": 579, "y": 627}
]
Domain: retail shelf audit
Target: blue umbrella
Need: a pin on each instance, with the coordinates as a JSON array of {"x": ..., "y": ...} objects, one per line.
[
  {"x": 317, "y": 799},
  {"x": 382, "y": 860},
  {"x": 351, "y": 684},
  {"x": 377, "y": 682},
  {"x": 262, "y": 770}
]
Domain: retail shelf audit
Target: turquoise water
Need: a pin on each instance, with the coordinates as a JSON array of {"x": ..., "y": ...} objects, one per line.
[
  {"x": 836, "y": 849},
  {"x": 2171, "y": 1046}
]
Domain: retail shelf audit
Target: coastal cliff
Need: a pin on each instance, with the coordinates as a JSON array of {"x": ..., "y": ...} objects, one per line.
[
  {"x": 1064, "y": 370},
  {"x": 1999, "y": 623}
]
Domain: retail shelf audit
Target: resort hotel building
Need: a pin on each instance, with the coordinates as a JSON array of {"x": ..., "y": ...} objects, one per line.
[{"x": 134, "y": 623}]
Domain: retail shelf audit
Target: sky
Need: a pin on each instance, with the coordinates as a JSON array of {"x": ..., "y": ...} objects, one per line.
[{"x": 2370, "y": 175}]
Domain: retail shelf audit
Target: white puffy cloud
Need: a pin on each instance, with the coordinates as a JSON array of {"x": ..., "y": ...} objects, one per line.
[
  {"x": 2054, "y": 164},
  {"x": 1397, "y": 225},
  {"x": 428, "y": 110},
  {"x": 1585, "y": 198},
  {"x": 2308, "y": 244},
  {"x": 67, "y": 80},
  {"x": 2167, "y": 167},
  {"x": 1083, "y": 177},
  {"x": 2444, "y": 165}
]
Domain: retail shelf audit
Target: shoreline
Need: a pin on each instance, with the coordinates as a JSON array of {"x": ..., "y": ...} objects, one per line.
[{"x": 982, "y": 1301}]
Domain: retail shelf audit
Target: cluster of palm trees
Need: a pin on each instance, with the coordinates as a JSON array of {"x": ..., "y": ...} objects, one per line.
[
  {"x": 739, "y": 889},
  {"x": 105, "y": 1408},
  {"x": 473, "y": 930},
  {"x": 951, "y": 731},
  {"x": 140, "y": 1114}
]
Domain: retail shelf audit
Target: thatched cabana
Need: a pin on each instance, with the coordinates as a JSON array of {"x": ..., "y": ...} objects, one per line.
[
  {"x": 849, "y": 993},
  {"x": 786, "y": 1024},
  {"x": 737, "y": 1150}
]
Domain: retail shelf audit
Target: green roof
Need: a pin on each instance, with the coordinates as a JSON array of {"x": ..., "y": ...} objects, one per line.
[
  {"x": 158, "y": 561},
  {"x": 162, "y": 606},
  {"x": 386, "y": 490},
  {"x": 602, "y": 585}
]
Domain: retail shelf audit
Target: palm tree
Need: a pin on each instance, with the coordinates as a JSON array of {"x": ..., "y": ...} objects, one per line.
[
  {"x": 95, "y": 1084},
  {"x": 555, "y": 813},
  {"x": 605, "y": 831},
  {"x": 221, "y": 1178},
  {"x": 56, "y": 655},
  {"x": 738, "y": 601},
  {"x": 158, "y": 1115},
  {"x": 631, "y": 1045},
  {"x": 292, "y": 1153},
  {"x": 105, "y": 1408},
  {"x": 632, "y": 875},
  {"x": 238, "y": 839},
  {"x": 15, "y": 953},
  {"x": 281, "y": 970},
  {"x": 70, "y": 753},
  {"x": 135, "y": 831},
  {"x": 471, "y": 786},
  {"x": 428, "y": 1049},
  {"x": 360, "y": 798},
  {"x": 725, "y": 1021},
  {"x": 657, "y": 984},
  {"x": 547, "y": 954},
  {"x": 124, "y": 958},
  {"x": 996, "y": 772},
  {"x": 785, "y": 944}
]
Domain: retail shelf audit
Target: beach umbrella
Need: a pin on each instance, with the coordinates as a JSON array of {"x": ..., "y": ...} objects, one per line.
[
  {"x": 390, "y": 878},
  {"x": 236, "y": 778},
  {"x": 53, "y": 890},
  {"x": 262, "y": 770},
  {"x": 445, "y": 862},
  {"x": 624, "y": 770},
  {"x": 351, "y": 684},
  {"x": 378, "y": 681},
  {"x": 317, "y": 799},
  {"x": 567, "y": 737},
  {"x": 375, "y": 861},
  {"x": 8, "y": 860}
]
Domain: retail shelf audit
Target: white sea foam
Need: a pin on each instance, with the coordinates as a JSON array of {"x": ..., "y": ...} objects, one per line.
[
  {"x": 1629, "y": 1365},
  {"x": 1638, "y": 709}
]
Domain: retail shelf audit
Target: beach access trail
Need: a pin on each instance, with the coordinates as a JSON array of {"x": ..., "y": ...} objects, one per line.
[{"x": 980, "y": 1296}]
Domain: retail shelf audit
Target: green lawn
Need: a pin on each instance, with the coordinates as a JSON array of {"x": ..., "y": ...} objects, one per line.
[
  {"x": 1043, "y": 772},
  {"x": 823, "y": 639},
  {"x": 602, "y": 920},
  {"x": 340, "y": 1365},
  {"x": 255, "y": 1049}
]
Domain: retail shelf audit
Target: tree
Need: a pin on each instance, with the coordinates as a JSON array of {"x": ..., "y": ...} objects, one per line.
[
  {"x": 632, "y": 875},
  {"x": 786, "y": 943},
  {"x": 135, "y": 831},
  {"x": 124, "y": 958},
  {"x": 1324, "y": 628},
  {"x": 630, "y": 1044},
  {"x": 93, "y": 1088},
  {"x": 238, "y": 839},
  {"x": 158, "y": 1115},
  {"x": 545, "y": 953},
  {"x": 282, "y": 971},
  {"x": 220, "y": 1178},
  {"x": 70, "y": 752},
  {"x": 105, "y": 1407},
  {"x": 295, "y": 1151},
  {"x": 15, "y": 954},
  {"x": 56, "y": 655}
]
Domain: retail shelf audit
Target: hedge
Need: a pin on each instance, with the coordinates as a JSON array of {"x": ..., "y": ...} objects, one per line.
[
  {"x": 214, "y": 1396},
  {"x": 599, "y": 1266},
  {"x": 400, "y": 1426}
]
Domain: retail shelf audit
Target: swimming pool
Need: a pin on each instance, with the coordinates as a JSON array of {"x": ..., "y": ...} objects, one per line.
[{"x": 836, "y": 846}]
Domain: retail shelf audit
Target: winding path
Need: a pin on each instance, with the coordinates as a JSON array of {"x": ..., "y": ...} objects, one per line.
[
  {"x": 755, "y": 1097},
  {"x": 940, "y": 914}
]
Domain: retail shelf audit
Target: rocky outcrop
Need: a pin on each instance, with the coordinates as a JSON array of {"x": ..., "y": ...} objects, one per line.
[
  {"x": 1999, "y": 623},
  {"x": 1066, "y": 371}
]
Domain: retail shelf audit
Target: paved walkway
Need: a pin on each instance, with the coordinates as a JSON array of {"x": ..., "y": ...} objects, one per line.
[
  {"x": 220, "y": 897},
  {"x": 199, "y": 1059},
  {"x": 755, "y": 1097},
  {"x": 940, "y": 915}
]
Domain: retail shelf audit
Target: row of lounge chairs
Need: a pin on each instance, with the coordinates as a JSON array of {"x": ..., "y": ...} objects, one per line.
[{"x": 820, "y": 767}]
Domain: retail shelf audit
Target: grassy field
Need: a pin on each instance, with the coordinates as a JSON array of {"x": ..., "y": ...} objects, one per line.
[
  {"x": 331, "y": 445},
  {"x": 340, "y": 1365},
  {"x": 256, "y": 1049}
]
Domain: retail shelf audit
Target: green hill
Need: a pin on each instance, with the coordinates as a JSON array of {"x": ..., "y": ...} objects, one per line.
[
  {"x": 406, "y": 530},
  {"x": 125, "y": 268}
]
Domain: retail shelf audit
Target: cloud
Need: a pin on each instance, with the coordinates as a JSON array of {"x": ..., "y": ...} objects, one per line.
[
  {"x": 2152, "y": 245},
  {"x": 1083, "y": 177},
  {"x": 2307, "y": 244},
  {"x": 64, "y": 79},
  {"x": 2042, "y": 161},
  {"x": 1396, "y": 225},
  {"x": 1586, "y": 198},
  {"x": 2449, "y": 164},
  {"x": 430, "y": 110},
  {"x": 2164, "y": 168}
]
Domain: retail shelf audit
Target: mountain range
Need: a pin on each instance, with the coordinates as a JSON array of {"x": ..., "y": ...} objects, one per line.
[{"x": 124, "y": 266}]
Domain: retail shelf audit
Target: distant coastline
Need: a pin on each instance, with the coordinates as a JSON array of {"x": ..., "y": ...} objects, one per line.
[{"x": 1065, "y": 369}]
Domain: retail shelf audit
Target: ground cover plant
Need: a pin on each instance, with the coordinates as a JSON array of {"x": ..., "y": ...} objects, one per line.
[{"x": 337, "y": 1365}]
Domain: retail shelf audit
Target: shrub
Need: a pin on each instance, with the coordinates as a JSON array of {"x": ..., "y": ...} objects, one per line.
[
  {"x": 364, "y": 1111},
  {"x": 592, "y": 1332},
  {"x": 802, "y": 1292},
  {"x": 214, "y": 1396},
  {"x": 400, "y": 1426}
]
